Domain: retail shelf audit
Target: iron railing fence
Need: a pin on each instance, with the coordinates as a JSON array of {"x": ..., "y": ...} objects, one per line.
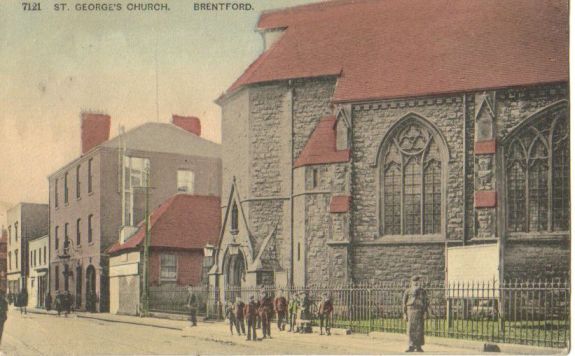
[{"x": 521, "y": 312}]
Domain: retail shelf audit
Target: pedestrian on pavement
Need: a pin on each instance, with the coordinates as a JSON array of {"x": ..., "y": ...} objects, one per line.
[
  {"x": 58, "y": 303},
  {"x": 250, "y": 312},
  {"x": 265, "y": 311},
  {"x": 280, "y": 307},
  {"x": 293, "y": 309},
  {"x": 325, "y": 314},
  {"x": 231, "y": 316},
  {"x": 67, "y": 298},
  {"x": 48, "y": 301},
  {"x": 192, "y": 304},
  {"x": 239, "y": 309},
  {"x": 23, "y": 301},
  {"x": 3, "y": 311},
  {"x": 415, "y": 304}
]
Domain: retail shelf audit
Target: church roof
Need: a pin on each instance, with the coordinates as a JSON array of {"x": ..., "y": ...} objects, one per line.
[
  {"x": 321, "y": 146},
  {"x": 397, "y": 48},
  {"x": 183, "y": 221}
]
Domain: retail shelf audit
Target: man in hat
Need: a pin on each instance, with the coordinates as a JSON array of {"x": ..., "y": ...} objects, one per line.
[
  {"x": 192, "y": 304},
  {"x": 265, "y": 310},
  {"x": 415, "y": 305},
  {"x": 280, "y": 307},
  {"x": 239, "y": 309},
  {"x": 325, "y": 314},
  {"x": 231, "y": 316},
  {"x": 292, "y": 309},
  {"x": 250, "y": 312}
]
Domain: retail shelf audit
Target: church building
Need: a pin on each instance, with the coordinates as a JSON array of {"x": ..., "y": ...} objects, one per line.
[{"x": 374, "y": 140}]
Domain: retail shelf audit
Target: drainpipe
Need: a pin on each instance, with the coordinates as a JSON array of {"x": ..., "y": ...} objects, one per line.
[{"x": 291, "y": 151}]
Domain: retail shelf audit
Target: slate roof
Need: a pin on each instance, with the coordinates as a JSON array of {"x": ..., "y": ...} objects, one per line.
[
  {"x": 397, "y": 48},
  {"x": 183, "y": 221},
  {"x": 321, "y": 146}
]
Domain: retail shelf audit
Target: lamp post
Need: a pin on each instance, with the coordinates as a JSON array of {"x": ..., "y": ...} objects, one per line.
[{"x": 145, "y": 302}]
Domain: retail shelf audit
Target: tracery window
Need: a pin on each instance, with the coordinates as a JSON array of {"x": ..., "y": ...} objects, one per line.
[
  {"x": 537, "y": 172},
  {"x": 411, "y": 181}
]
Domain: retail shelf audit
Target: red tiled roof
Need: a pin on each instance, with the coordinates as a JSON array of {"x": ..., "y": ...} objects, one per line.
[
  {"x": 340, "y": 204},
  {"x": 321, "y": 146},
  {"x": 398, "y": 48},
  {"x": 183, "y": 221}
]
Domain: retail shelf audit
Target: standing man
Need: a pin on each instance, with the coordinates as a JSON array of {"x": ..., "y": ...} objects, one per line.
[
  {"x": 280, "y": 306},
  {"x": 292, "y": 309},
  {"x": 250, "y": 312},
  {"x": 231, "y": 316},
  {"x": 240, "y": 305},
  {"x": 23, "y": 301},
  {"x": 3, "y": 311},
  {"x": 325, "y": 314},
  {"x": 192, "y": 304},
  {"x": 67, "y": 302},
  {"x": 415, "y": 305},
  {"x": 265, "y": 310}
]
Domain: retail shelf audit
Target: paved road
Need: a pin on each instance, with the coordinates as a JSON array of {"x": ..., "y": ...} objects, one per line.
[{"x": 35, "y": 334}]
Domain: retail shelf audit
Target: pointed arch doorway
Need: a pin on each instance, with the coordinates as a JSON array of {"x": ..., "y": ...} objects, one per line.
[{"x": 235, "y": 274}]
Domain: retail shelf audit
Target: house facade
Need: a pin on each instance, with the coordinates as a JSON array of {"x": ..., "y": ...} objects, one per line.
[
  {"x": 3, "y": 259},
  {"x": 25, "y": 221},
  {"x": 419, "y": 150},
  {"x": 180, "y": 228},
  {"x": 100, "y": 197},
  {"x": 38, "y": 271}
]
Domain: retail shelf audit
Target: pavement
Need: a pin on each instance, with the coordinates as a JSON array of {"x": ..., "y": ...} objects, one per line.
[{"x": 214, "y": 338}]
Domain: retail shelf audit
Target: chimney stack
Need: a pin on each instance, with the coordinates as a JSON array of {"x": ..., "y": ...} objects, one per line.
[
  {"x": 95, "y": 130},
  {"x": 189, "y": 123}
]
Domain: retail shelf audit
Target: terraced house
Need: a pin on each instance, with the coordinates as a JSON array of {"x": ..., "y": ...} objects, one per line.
[{"x": 374, "y": 140}]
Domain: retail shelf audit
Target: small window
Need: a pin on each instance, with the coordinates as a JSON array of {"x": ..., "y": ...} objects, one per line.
[
  {"x": 56, "y": 238},
  {"x": 90, "y": 175},
  {"x": 16, "y": 258},
  {"x": 56, "y": 192},
  {"x": 298, "y": 251},
  {"x": 16, "y": 231},
  {"x": 10, "y": 233},
  {"x": 57, "y": 278},
  {"x": 314, "y": 178},
  {"x": 78, "y": 184},
  {"x": 66, "y": 236},
  {"x": 66, "y": 188},
  {"x": 168, "y": 268},
  {"x": 9, "y": 260},
  {"x": 234, "y": 223},
  {"x": 185, "y": 181},
  {"x": 90, "y": 228},
  {"x": 45, "y": 255},
  {"x": 78, "y": 231},
  {"x": 31, "y": 259}
]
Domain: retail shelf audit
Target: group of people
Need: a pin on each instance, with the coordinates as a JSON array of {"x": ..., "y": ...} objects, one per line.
[
  {"x": 62, "y": 302},
  {"x": 256, "y": 314}
]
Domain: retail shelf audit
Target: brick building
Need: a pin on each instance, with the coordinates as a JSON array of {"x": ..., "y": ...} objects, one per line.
[
  {"x": 180, "y": 228},
  {"x": 372, "y": 140},
  {"x": 100, "y": 197}
]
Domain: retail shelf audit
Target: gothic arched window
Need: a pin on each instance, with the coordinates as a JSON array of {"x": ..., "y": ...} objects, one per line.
[
  {"x": 537, "y": 174},
  {"x": 234, "y": 223},
  {"x": 411, "y": 180}
]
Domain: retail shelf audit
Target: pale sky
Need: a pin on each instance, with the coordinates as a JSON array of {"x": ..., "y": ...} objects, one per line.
[{"x": 54, "y": 64}]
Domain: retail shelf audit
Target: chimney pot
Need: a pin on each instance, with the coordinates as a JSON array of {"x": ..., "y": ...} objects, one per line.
[{"x": 189, "y": 123}]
